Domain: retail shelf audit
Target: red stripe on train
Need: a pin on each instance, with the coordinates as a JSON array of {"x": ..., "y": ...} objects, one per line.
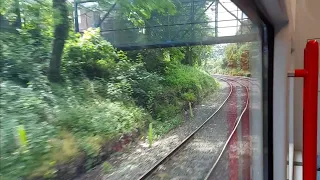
[
  {"x": 233, "y": 148},
  {"x": 246, "y": 141}
]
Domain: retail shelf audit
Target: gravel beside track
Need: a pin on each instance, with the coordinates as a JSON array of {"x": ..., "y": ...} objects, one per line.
[{"x": 194, "y": 160}]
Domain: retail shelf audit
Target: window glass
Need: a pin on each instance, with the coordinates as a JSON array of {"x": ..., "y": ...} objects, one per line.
[{"x": 124, "y": 89}]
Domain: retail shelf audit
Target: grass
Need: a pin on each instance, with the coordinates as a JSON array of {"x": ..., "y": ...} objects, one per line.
[
  {"x": 106, "y": 167},
  {"x": 163, "y": 127},
  {"x": 64, "y": 149},
  {"x": 150, "y": 135}
]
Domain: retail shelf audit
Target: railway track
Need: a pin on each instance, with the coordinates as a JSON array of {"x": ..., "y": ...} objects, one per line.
[
  {"x": 177, "y": 157},
  {"x": 210, "y": 175}
]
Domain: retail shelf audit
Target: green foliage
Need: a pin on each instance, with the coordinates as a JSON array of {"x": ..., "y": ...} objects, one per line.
[
  {"x": 164, "y": 110},
  {"x": 140, "y": 10},
  {"x": 185, "y": 33},
  {"x": 154, "y": 60},
  {"x": 22, "y": 137},
  {"x": 4, "y": 6},
  {"x": 20, "y": 58},
  {"x": 189, "y": 97},
  {"x": 22, "y": 149},
  {"x": 181, "y": 85},
  {"x": 176, "y": 55},
  {"x": 236, "y": 60},
  {"x": 145, "y": 87},
  {"x": 158, "y": 60},
  {"x": 106, "y": 167},
  {"x": 163, "y": 127},
  {"x": 103, "y": 118},
  {"x": 64, "y": 148},
  {"x": 195, "y": 55},
  {"x": 232, "y": 55},
  {"x": 189, "y": 79},
  {"x": 92, "y": 145},
  {"x": 105, "y": 93},
  {"x": 90, "y": 56},
  {"x": 33, "y": 13}
]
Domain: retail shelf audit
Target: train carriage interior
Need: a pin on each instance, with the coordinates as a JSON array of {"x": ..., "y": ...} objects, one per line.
[{"x": 159, "y": 89}]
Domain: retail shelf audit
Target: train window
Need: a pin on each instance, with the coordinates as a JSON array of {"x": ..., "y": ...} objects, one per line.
[{"x": 122, "y": 89}]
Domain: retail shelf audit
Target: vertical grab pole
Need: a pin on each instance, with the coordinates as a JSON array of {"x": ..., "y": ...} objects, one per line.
[{"x": 310, "y": 94}]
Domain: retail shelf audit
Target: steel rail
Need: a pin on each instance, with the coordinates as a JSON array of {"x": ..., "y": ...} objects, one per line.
[
  {"x": 187, "y": 139},
  {"x": 232, "y": 133},
  {"x": 250, "y": 81}
]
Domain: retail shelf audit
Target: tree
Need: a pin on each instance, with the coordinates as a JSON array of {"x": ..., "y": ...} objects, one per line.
[
  {"x": 17, "y": 24},
  {"x": 187, "y": 24},
  {"x": 60, "y": 35},
  {"x": 135, "y": 12},
  {"x": 139, "y": 10}
]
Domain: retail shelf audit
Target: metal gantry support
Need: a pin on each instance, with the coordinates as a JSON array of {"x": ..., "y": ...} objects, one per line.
[
  {"x": 310, "y": 106},
  {"x": 216, "y": 10},
  {"x": 192, "y": 29}
]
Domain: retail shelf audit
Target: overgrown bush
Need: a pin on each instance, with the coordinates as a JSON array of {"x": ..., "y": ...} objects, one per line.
[
  {"x": 189, "y": 79},
  {"x": 100, "y": 118},
  {"x": 161, "y": 127},
  {"x": 21, "y": 60},
  {"x": 145, "y": 86},
  {"x": 23, "y": 107},
  {"x": 158, "y": 60},
  {"x": 179, "y": 81},
  {"x": 236, "y": 60},
  {"x": 89, "y": 55}
]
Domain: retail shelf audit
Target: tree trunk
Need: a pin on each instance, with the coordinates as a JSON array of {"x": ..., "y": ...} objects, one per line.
[
  {"x": 17, "y": 23},
  {"x": 188, "y": 56},
  {"x": 60, "y": 35}
]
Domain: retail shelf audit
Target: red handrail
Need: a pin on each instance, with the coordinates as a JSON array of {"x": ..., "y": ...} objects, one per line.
[{"x": 310, "y": 105}]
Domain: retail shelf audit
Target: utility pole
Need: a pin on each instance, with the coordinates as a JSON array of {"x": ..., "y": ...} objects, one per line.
[
  {"x": 216, "y": 18},
  {"x": 192, "y": 20},
  {"x": 76, "y": 21}
]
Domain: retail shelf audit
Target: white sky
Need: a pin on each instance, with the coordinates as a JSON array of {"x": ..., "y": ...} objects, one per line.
[{"x": 223, "y": 29}]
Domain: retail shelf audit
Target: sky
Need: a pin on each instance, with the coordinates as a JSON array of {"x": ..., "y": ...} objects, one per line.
[{"x": 224, "y": 28}]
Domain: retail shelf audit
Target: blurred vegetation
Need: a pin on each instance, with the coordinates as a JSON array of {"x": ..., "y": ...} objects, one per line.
[
  {"x": 234, "y": 61},
  {"x": 99, "y": 93}
]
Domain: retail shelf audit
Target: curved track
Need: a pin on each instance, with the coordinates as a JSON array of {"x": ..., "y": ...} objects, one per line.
[
  {"x": 232, "y": 132},
  {"x": 170, "y": 156}
]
